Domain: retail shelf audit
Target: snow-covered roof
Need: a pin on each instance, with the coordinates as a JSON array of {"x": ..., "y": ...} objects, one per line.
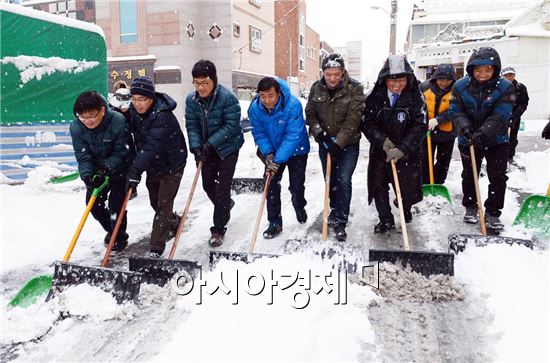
[
  {"x": 462, "y": 15},
  {"x": 52, "y": 18},
  {"x": 531, "y": 22},
  {"x": 132, "y": 58},
  {"x": 167, "y": 68}
]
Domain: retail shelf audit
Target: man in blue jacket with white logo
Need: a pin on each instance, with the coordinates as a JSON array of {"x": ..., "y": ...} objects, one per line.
[{"x": 278, "y": 128}]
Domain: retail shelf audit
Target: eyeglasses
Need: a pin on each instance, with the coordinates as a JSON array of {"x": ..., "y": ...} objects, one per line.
[
  {"x": 201, "y": 84},
  {"x": 139, "y": 99},
  {"x": 84, "y": 118}
]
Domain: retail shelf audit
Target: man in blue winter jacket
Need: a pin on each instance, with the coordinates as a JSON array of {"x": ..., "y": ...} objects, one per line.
[
  {"x": 278, "y": 128},
  {"x": 161, "y": 152},
  {"x": 212, "y": 117},
  {"x": 100, "y": 142},
  {"x": 481, "y": 105}
]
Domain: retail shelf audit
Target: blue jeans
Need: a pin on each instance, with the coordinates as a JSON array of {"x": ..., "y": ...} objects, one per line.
[{"x": 340, "y": 181}]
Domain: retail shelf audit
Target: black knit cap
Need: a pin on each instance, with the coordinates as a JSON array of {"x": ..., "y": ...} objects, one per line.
[
  {"x": 333, "y": 60},
  {"x": 205, "y": 69},
  {"x": 143, "y": 86}
]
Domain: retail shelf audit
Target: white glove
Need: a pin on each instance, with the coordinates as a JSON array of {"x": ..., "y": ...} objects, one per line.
[{"x": 432, "y": 124}]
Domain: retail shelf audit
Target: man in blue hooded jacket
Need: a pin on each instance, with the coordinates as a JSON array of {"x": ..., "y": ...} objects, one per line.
[
  {"x": 481, "y": 106},
  {"x": 279, "y": 130}
]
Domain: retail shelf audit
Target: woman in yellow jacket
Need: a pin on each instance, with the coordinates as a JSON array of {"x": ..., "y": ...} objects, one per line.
[{"x": 437, "y": 92}]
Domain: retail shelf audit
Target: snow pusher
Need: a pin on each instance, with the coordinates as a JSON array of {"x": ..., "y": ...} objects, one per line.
[
  {"x": 436, "y": 190},
  {"x": 249, "y": 185},
  {"x": 64, "y": 178},
  {"x": 458, "y": 242},
  {"x": 535, "y": 213},
  {"x": 425, "y": 263},
  {"x": 123, "y": 285},
  {"x": 215, "y": 256},
  {"x": 40, "y": 285},
  {"x": 160, "y": 271}
]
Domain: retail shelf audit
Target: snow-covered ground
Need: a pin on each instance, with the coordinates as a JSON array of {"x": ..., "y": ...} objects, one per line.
[{"x": 295, "y": 307}]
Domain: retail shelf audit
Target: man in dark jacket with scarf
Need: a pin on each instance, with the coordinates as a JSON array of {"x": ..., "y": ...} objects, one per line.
[
  {"x": 279, "y": 130},
  {"x": 161, "y": 152},
  {"x": 520, "y": 105},
  {"x": 437, "y": 92},
  {"x": 100, "y": 142},
  {"x": 481, "y": 106},
  {"x": 394, "y": 124},
  {"x": 212, "y": 117},
  {"x": 333, "y": 114}
]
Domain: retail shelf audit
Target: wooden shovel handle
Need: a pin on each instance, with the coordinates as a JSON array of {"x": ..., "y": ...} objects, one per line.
[
  {"x": 478, "y": 195},
  {"x": 430, "y": 157},
  {"x": 327, "y": 191},
  {"x": 185, "y": 211},
  {"x": 260, "y": 212},
  {"x": 400, "y": 204}
]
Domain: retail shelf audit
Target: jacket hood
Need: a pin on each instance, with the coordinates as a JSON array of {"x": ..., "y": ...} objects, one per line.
[
  {"x": 395, "y": 65},
  {"x": 284, "y": 96},
  {"x": 163, "y": 102},
  {"x": 444, "y": 71},
  {"x": 484, "y": 56}
]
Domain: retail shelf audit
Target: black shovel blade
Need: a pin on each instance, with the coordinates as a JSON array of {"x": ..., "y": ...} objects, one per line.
[
  {"x": 216, "y": 256},
  {"x": 248, "y": 185},
  {"x": 425, "y": 263},
  {"x": 458, "y": 242},
  {"x": 160, "y": 271},
  {"x": 124, "y": 286}
]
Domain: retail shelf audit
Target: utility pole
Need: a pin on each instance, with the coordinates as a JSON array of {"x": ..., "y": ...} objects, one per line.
[{"x": 393, "y": 25}]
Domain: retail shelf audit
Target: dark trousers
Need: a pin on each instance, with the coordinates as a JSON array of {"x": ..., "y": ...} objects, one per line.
[
  {"x": 162, "y": 192},
  {"x": 514, "y": 129},
  {"x": 340, "y": 180},
  {"x": 297, "y": 178},
  {"x": 217, "y": 175},
  {"x": 382, "y": 197},
  {"x": 114, "y": 193},
  {"x": 442, "y": 153},
  {"x": 496, "y": 171}
]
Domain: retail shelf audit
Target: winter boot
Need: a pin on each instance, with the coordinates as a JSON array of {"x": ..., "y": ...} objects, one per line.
[
  {"x": 301, "y": 215},
  {"x": 471, "y": 215},
  {"x": 154, "y": 254},
  {"x": 493, "y": 222},
  {"x": 384, "y": 227},
  {"x": 121, "y": 243},
  {"x": 273, "y": 231},
  {"x": 340, "y": 232},
  {"x": 173, "y": 226},
  {"x": 216, "y": 239}
]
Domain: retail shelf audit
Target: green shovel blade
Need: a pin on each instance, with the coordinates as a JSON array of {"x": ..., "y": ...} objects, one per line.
[
  {"x": 535, "y": 213},
  {"x": 32, "y": 290},
  {"x": 436, "y": 190},
  {"x": 64, "y": 178}
]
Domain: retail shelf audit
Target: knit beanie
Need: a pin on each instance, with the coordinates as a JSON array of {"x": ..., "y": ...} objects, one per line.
[{"x": 143, "y": 86}]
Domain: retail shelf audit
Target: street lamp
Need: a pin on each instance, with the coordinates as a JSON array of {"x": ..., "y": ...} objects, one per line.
[{"x": 393, "y": 22}]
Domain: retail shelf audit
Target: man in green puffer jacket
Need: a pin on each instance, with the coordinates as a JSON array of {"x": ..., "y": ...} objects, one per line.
[{"x": 100, "y": 142}]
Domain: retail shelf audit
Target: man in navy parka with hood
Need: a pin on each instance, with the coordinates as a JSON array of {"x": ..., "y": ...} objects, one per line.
[
  {"x": 278, "y": 128},
  {"x": 481, "y": 105}
]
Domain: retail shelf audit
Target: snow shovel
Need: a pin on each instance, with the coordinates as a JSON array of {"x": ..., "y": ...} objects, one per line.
[
  {"x": 436, "y": 190},
  {"x": 64, "y": 178},
  {"x": 425, "y": 263},
  {"x": 40, "y": 285},
  {"x": 123, "y": 285},
  {"x": 535, "y": 213},
  {"x": 160, "y": 271},
  {"x": 215, "y": 256},
  {"x": 457, "y": 242}
]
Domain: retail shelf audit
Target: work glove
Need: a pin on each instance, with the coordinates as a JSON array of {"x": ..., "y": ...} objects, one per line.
[
  {"x": 388, "y": 144},
  {"x": 93, "y": 182},
  {"x": 272, "y": 167},
  {"x": 334, "y": 150},
  {"x": 132, "y": 179},
  {"x": 323, "y": 139},
  {"x": 432, "y": 124},
  {"x": 394, "y": 154},
  {"x": 198, "y": 155}
]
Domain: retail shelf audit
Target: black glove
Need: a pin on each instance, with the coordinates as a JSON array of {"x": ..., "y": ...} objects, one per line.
[
  {"x": 334, "y": 150},
  {"x": 89, "y": 181},
  {"x": 546, "y": 131},
  {"x": 103, "y": 170},
  {"x": 198, "y": 155},
  {"x": 132, "y": 179},
  {"x": 271, "y": 166},
  {"x": 468, "y": 133},
  {"x": 323, "y": 139},
  {"x": 394, "y": 154},
  {"x": 206, "y": 150},
  {"x": 478, "y": 140}
]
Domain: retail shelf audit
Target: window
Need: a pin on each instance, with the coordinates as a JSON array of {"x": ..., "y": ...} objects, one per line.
[
  {"x": 302, "y": 42},
  {"x": 236, "y": 29},
  {"x": 256, "y": 3},
  {"x": 128, "y": 22},
  {"x": 255, "y": 39}
]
